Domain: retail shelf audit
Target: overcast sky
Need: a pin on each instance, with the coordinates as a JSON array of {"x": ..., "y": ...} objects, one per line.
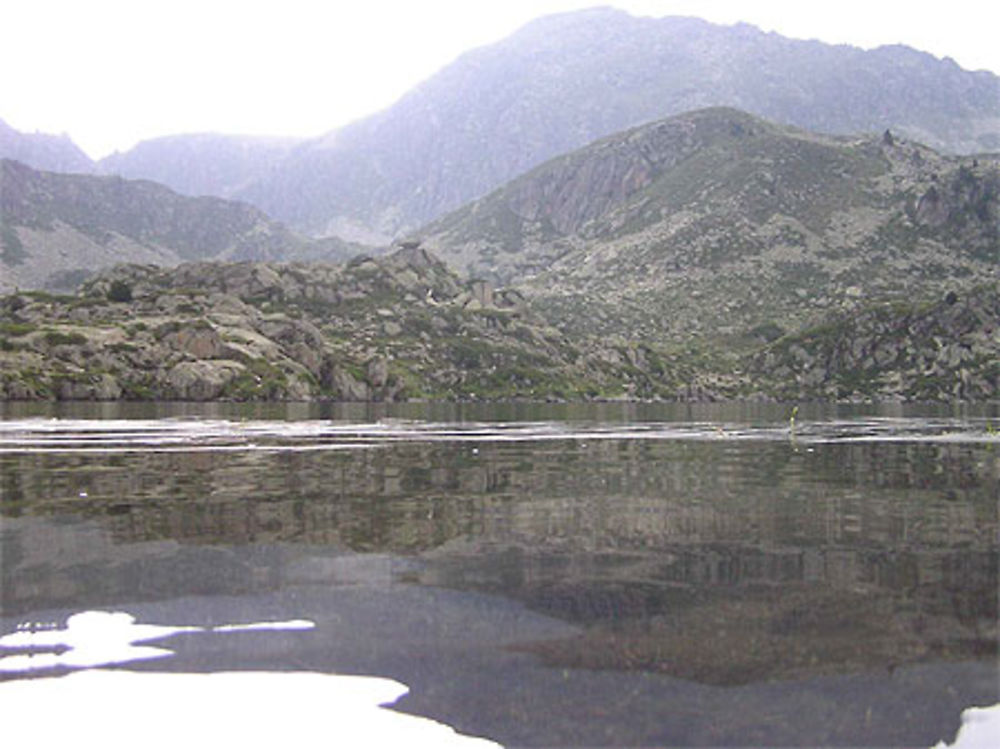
[{"x": 113, "y": 72}]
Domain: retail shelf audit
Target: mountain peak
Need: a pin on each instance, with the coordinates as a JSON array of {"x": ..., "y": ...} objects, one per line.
[
  {"x": 566, "y": 80},
  {"x": 43, "y": 151}
]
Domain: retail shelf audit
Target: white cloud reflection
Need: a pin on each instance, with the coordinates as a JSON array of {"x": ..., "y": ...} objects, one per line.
[
  {"x": 238, "y": 709},
  {"x": 980, "y": 729},
  {"x": 103, "y": 638},
  {"x": 245, "y": 709}
]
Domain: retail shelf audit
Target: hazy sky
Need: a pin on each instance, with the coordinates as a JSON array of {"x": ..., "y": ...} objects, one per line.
[{"x": 113, "y": 72}]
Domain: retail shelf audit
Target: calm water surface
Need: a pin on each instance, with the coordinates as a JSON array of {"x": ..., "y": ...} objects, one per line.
[{"x": 611, "y": 575}]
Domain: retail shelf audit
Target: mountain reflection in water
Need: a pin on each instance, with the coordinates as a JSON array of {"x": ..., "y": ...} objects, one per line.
[{"x": 545, "y": 581}]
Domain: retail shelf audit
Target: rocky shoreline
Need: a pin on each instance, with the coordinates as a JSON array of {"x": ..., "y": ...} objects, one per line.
[
  {"x": 405, "y": 327},
  {"x": 944, "y": 350},
  {"x": 401, "y": 327}
]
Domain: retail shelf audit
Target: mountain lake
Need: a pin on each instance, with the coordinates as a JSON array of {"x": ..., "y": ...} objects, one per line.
[{"x": 515, "y": 574}]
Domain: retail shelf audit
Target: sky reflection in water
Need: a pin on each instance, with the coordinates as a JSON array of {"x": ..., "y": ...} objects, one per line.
[{"x": 577, "y": 582}]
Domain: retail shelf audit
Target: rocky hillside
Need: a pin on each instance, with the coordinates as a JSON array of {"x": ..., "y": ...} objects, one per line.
[
  {"x": 720, "y": 227},
  {"x": 950, "y": 348},
  {"x": 566, "y": 80},
  {"x": 57, "y": 228},
  {"x": 399, "y": 327},
  {"x": 405, "y": 327},
  {"x": 56, "y": 153}
]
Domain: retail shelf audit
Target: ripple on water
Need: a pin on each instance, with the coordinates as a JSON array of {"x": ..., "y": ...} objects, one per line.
[{"x": 193, "y": 435}]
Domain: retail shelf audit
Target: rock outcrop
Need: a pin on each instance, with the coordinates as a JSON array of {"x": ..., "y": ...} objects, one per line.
[
  {"x": 406, "y": 327},
  {"x": 393, "y": 328},
  {"x": 948, "y": 350}
]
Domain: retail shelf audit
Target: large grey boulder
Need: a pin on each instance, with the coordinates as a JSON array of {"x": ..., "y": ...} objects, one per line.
[{"x": 202, "y": 380}]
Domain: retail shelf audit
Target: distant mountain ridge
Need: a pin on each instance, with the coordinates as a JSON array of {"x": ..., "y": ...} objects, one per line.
[
  {"x": 559, "y": 83},
  {"x": 56, "y": 228},
  {"x": 55, "y": 153},
  {"x": 201, "y": 163},
  {"x": 566, "y": 80}
]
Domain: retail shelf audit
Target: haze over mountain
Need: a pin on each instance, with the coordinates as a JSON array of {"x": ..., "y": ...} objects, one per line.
[
  {"x": 201, "y": 163},
  {"x": 192, "y": 163},
  {"x": 557, "y": 84},
  {"x": 566, "y": 80},
  {"x": 57, "y": 228},
  {"x": 719, "y": 226},
  {"x": 57, "y": 153}
]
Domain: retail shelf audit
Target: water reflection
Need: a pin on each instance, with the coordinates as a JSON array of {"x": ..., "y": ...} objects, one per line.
[
  {"x": 249, "y": 709},
  {"x": 725, "y": 554},
  {"x": 102, "y": 638}
]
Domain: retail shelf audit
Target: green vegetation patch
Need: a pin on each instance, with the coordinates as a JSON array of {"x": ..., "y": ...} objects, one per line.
[
  {"x": 49, "y": 298},
  {"x": 16, "y": 329},
  {"x": 59, "y": 338},
  {"x": 123, "y": 348},
  {"x": 261, "y": 380},
  {"x": 175, "y": 326},
  {"x": 120, "y": 291}
]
